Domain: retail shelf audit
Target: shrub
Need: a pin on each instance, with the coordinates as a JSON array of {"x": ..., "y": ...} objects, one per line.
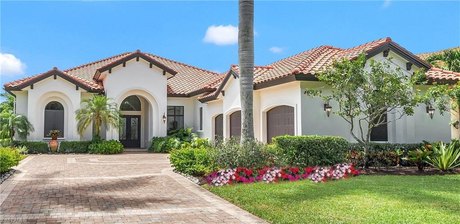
[
  {"x": 106, "y": 147},
  {"x": 419, "y": 157},
  {"x": 232, "y": 154},
  {"x": 9, "y": 157},
  {"x": 33, "y": 147},
  {"x": 381, "y": 154},
  {"x": 174, "y": 140},
  {"x": 74, "y": 146},
  {"x": 310, "y": 150},
  {"x": 445, "y": 157},
  {"x": 192, "y": 161}
]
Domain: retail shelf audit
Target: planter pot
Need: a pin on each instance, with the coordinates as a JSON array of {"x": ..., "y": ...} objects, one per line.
[{"x": 54, "y": 145}]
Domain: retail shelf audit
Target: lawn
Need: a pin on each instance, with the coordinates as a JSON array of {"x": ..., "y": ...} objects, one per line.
[{"x": 363, "y": 199}]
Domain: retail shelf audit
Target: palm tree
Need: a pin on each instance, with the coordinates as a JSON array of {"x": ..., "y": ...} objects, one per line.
[
  {"x": 11, "y": 124},
  {"x": 97, "y": 110},
  {"x": 8, "y": 104},
  {"x": 246, "y": 66},
  {"x": 448, "y": 60}
]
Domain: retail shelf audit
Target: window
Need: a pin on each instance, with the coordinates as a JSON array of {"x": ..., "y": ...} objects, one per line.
[
  {"x": 201, "y": 118},
  {"x": 54, "y": 118},
  {"x": 175, "y": 117},
  {"x": 131, "y": 103},
  {"x": 380, "y": 133}
]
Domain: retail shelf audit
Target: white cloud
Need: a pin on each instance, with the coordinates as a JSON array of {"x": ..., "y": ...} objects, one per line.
[
  {"x": 276, "y": 50},
  {"x": 386, "y": 3},
  {"x": 11, "y": 65},
  {"x": 221, "y": 35}
]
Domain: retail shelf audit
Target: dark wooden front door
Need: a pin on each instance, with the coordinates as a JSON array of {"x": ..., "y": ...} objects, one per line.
[
  {"x": 130, "y": 131},
  {"x": 280, "y": 121}
]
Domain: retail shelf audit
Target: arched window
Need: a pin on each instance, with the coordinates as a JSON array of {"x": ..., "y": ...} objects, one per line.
[
  {"x": 131, "y": 103},
  {"x": 54, "y": 118}
]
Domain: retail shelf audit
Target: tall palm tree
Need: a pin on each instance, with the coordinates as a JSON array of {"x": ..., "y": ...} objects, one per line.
[
  {"x": 11, "y": 124},
  {"x": 246, "y": 66},
  {"x": 448, "y": 59},
  {"x": 97, "y": 110}
]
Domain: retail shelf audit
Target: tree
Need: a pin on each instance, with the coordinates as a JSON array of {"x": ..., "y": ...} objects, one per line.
[
  {"x": 11, "y": 124},
  {"x": 246, "y": 66},
  {"x": 97, "y": 110},
  {"x": 448, "y": 60},
  {"x": 8, "y": 103},
  {"x": 365, "y": 94}
]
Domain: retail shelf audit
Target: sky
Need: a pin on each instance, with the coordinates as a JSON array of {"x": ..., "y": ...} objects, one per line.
[{"x": 37, "y": 36}]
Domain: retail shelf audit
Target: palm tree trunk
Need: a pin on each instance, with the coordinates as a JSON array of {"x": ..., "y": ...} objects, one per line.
[{"x": 246, "y": 66}]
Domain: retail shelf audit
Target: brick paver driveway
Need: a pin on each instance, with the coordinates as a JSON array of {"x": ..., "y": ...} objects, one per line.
[{"x": 125, "y": 188}]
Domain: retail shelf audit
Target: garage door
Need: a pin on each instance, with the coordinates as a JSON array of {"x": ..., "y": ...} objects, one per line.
[
  {"x": 280, "y": 121},
  {"x": 235, "y": 124},
  {"x": 219, "y": 126}
]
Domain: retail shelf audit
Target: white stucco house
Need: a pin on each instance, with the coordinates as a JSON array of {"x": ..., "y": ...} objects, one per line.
[{"x": 156, "y": 94}]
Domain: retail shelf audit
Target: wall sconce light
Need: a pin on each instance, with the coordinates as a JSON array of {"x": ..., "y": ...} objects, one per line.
[
  {"x": 430, "y": 110},
  {"x": 456, "y": 124},
  {"x": 327, "y": 109},
  {"x": 164, "y": 118}
]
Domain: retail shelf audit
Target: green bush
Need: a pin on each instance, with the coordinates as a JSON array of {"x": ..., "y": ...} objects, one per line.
[
  {"x": 232, "y": 154},
  {"x": 195, "y": 160},
  {"x": 381, "y": 154},
  {"x": 311, "y": 150},
  {"x": 74, "y": 146},
  {"x": 33, "y": 147},
  {"x": 106, "y": 147},
  {"x": 445, "y": 157},
  {"x": 174, "y": 140},
  {"x": 9, "y": 157}
]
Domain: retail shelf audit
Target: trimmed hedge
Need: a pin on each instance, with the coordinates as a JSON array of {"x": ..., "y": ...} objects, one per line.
[
  {"x": 9, "y": 157},
  {"x": 193, "y": 161},
  {"x": 74, "y": 146},
  {"x": 311, "y": 150},
  {"x": 106, "y": 147},
  {"x": 33, "y": 147}
]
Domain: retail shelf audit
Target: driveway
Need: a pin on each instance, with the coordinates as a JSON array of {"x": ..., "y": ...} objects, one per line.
[{"x": 125, "y": 188}]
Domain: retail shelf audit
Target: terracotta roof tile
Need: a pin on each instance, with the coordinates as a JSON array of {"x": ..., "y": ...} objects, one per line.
[{"x": 440, "y": 75}]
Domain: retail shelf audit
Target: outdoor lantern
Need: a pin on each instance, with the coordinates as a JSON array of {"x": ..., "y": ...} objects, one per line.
[
  {"x": 430, "y": 110},
  {"x": 164, "y": 118},
  {"x": 327, "y": 109}
]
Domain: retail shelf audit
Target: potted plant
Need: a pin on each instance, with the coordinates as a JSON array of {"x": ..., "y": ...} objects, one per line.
[{"x": 54, "y": 144}]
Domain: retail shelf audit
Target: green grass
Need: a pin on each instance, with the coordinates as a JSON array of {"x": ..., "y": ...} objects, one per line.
[{"x": 363, "y": 199}]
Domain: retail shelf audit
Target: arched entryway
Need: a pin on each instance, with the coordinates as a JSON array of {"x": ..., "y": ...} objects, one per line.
[
  {"x": 54, "y": 118},
  {"x": 280, "y": 121},
  {"x": 133, "y": 131}
]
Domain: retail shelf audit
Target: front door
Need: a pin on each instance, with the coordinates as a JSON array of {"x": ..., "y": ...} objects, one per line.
[{"x": 130, "y": 130}]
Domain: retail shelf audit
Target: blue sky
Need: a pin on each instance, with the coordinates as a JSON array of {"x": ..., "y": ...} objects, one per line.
[{"x": 35, "y": 36}]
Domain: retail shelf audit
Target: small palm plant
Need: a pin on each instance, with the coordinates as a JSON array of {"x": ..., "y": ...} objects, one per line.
[
  {"x": 445, "y": 157},
  {"x": 11, "y": 124},
  {"x": 97, "y": 110}
]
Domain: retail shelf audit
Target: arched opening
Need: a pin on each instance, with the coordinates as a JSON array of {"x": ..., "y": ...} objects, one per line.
[
  {"x": 132, "y": 129},
  {"x": 235, "y": 124},
  {"x": 54, "y": 118},
  {"x": 280, "y": 121},
  {"x": 219, "y": 127}
]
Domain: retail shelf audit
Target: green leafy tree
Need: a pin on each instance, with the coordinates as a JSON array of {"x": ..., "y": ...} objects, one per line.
[
  {"x": 448, "y": 60},
  {"x": 98, "y": 111},
  {"x": 365, "y": 94},
  {"x": 11, "y": 124},
  {"x": 7, "y": 103},
  {"x": 246, "y": 66}
]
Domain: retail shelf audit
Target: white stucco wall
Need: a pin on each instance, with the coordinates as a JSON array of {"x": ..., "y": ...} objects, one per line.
[
  {"x": 138, "y": 79},
  {"x": 43, "y": 92}
]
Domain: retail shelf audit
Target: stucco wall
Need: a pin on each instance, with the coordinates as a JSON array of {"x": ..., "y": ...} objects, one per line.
[{"x": 138, "y": 79}]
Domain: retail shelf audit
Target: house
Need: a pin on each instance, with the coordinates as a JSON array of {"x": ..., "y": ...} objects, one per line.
[{"x": 156, "y": 94}]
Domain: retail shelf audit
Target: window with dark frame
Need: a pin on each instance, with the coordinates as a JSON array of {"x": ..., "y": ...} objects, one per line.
[
  {"x": 175, "y": 118},
  {"x": 201, "y": 118},
  {"x": 380, "y": 133},
  {"x": 54, "y": 119}
]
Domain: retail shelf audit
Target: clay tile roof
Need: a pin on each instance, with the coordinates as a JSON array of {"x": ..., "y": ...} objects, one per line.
[
  {"x": 444, "y": 76},
  {"x": 188, "y": 80}
]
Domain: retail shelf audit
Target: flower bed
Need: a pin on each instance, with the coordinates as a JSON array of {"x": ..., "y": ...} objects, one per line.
[{"x": 275, "y": 174}]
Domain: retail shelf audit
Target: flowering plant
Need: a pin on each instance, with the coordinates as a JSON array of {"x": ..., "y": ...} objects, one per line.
[{"x": 274, "y": 174}]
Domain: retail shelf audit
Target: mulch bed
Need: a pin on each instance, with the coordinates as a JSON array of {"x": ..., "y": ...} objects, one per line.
[
  {"x": 4, "y": 176},
  {"x": 405, "y": 171}
]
